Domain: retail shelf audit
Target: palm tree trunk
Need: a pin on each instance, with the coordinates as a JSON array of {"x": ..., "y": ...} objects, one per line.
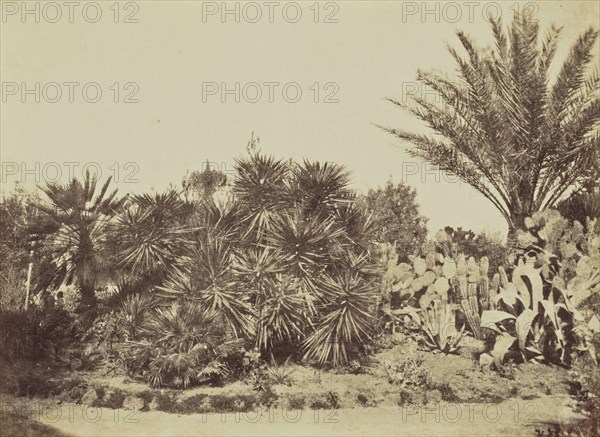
[
  {"x": 88, "y": 298},
  {"x": 517, "y": 221}
]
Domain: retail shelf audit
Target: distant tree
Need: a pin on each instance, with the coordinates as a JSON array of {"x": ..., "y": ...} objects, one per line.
[
  {"x": 202, "y": 184},
  {"x": 15, "y": 251},
  {"x": 517, "y": 134},
  {"x": 396, "y": 217},
  {"x": 476, "y": 245}
]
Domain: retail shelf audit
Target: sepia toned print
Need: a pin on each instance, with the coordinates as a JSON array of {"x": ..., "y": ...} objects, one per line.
[{"x": 304, "y": 218}]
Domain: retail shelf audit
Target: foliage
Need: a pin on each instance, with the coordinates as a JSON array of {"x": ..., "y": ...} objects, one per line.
[
  {"x": 203, "y": 184},
  {"x": 409, "y": 372},
  {"x": 430, "y": 294},
  {"x": 180, "y": 345},
  {"x": 149, "y": 236},
  {"x": 346, "y": 313},
  {"x": 396, "y": 217},
  {"x": 16, "y": 212},
  {"x": 537, "y": 315},
  {"x": 455, "y": 241},
  {"x": 74, "y": 225},
  {"x": 552, "y": 142},
  {"x": 37, "y": 334},
  {"x": 280, "y": 374},
  {"x": 582, "y": 206}
]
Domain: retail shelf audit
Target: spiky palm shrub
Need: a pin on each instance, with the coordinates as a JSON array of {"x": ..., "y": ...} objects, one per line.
[
  {"x": 207, "y": 277},
  {"x": 308, "y": 244},
  {"x": 345, "y": 314},
  {"x": 359, "y": 226},
  {"x": 284, "y": 314},
  {"x": 511, "y": 130},
  {"x": 74, "y": 226},
  {"x": 260, "y": 189},
  {"x": 150, "y": 236},
  {"x": 321, "y": 188},
  {"x": 182, "y": 344}
]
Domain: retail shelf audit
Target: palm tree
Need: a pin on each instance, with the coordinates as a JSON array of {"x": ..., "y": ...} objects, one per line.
[
  {"x": 522, "y": 138},
  {"x": 75, "y": 226}
]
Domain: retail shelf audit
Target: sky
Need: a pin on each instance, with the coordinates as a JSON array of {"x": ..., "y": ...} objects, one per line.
[{"x": 146, "y": 91}]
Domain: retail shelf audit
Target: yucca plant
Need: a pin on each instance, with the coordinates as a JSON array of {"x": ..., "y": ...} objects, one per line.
[
  {"x": 135, "y": 308},
  {"x": 346, "y": 316},
  {"x": 282, "y": 309},
  {"x": 207, "y": 277},
  {"x": 321, "y": 188},
  {"x": 150, "y": 235},
  {"x": 260, "y": 189},
  {"x": 284, "y": 313},
  {"x": 308, "y": 244},
  {"x": 513, "y": 131}
]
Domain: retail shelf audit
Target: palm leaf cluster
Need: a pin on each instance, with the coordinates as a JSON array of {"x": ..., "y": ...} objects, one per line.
[
  {"x": 519, "y": 134},
  {"x": 183, "y": 344},
  {"x": 73, "y": 226},
  {"x": 265, "y": 264}
]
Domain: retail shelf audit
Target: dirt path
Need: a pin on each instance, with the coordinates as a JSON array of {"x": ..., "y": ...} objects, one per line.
[{"x": 514, "y": 417}]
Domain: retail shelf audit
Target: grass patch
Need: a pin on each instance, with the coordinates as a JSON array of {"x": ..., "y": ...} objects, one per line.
[{"x": 15, "y": 423}]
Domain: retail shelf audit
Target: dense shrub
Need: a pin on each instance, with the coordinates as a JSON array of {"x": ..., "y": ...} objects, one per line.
[
  {"x": 36, "y": 334},
  {"x": 180, "y": 345}
]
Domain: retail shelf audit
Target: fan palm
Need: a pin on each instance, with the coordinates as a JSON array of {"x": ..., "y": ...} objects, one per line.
[
  {"x": 512, "y": 131},
  {"x": 181, "y": 344},
  {"x": 75, "y": 224}
]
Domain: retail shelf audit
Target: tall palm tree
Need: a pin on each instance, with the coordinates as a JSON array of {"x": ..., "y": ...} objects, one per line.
[
  {"x": 75, "y": 224},
  {"x": 518, "y": 135}
]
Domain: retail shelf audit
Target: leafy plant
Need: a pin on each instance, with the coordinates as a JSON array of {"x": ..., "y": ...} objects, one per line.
[
  {"x": 535, "y": 320},
  {"x": 347, "y": 319},
  {"x": 280, "y": 374},
  {"x": 409, "y": 372},
  {"x": 181, "y": 345},
  {"x": 75, "y": 226}
]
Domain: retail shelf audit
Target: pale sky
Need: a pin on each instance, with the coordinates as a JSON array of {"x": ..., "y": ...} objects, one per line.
[{"x": 172, "y": 53}]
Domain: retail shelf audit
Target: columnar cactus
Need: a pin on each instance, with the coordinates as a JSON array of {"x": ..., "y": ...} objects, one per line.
[{"x": 486, "y": 293}]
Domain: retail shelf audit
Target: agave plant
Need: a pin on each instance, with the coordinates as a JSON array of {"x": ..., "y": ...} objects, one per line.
[{"x": 534, "y": 321}]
